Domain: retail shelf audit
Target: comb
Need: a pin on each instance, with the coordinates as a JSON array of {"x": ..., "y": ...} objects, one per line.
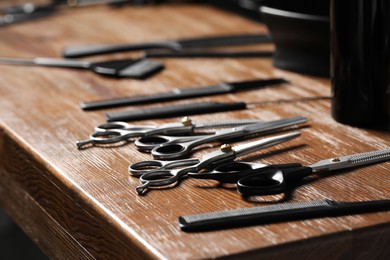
[{"x": 277, "y": 213}]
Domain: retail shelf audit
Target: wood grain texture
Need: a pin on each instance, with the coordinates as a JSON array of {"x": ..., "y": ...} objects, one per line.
[{"x": 82, "y": 203}]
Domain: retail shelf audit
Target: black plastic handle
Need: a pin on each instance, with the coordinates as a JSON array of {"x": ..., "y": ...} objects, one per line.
[
  {"x": 234, "y": 171},
  {"x": 270, "y": 182}
]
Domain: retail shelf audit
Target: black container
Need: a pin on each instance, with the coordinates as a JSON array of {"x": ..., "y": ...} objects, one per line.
[
  {"x": 360, "y": 62},
  {"x": 300, "y": 30}
]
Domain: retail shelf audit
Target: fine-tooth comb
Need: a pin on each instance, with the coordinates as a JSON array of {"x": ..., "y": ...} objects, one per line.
[{"x": 278, "y": 213}]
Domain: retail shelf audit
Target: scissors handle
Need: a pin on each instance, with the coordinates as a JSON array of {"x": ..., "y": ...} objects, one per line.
[
  {"x": 150, "y": 142},
  {"x": 103, "y": 137},
  {"x": 169, "y": 173},
  {"x": 143, "y": 167},
  {"x": 274, "y": 181},
  {"x": 114, "y": 132},
  {"x": 234, "y": 171},
  {"x": 122, "y": 126},
  {"x": 161, "y": 178}
]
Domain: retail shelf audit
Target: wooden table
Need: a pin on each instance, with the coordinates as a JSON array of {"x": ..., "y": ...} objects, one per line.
[{"x": 82, "y": 203}]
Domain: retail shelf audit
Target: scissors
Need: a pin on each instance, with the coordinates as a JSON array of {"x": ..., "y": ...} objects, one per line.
[
  {"x": 122, "y": 68},
  {"x": 114, "y": 132},
  {"x": 30, "y": 11},
  {"x": 268, "y": 179},
  {"x": 173, "y": 147},
  {"x": 156, "y": 173}
]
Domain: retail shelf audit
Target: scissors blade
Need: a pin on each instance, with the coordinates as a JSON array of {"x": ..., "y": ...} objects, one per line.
[
  {"x": 350, "y": 161},
  {"x": 48, "y": 62},
  {"x": 263, "y": 143},
  {"x": 228, "y": 153},
  {"x": 273, "y": 125},
  {"x": 17, "y": 61}
]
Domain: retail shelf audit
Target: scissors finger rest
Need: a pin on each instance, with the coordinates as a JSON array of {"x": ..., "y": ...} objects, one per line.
[
  {"x": 104, "y": 137},
  {"x": 148, "y": 143},
  {"x": 234, "y": 171},
  {"x": 123, "y": 126},
  {"x": 270, "y": 182}
]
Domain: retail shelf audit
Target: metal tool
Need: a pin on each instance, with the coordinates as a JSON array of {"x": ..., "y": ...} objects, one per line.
[
  {"x": 114, "y": 132},
  {"x": 157, "y": 173},
  {"x": 173, "y": 147},
  {"x": 131, "y": 68},
  {"x": 31, "y": 7},
  {"x": 267, "y": 179},
  {"x": 278, "y": 213},
  {"x": 31, "y": 11},
  {"x": 13, "y": 18},
  {"x": 176, "y": 94},
  {"x": 173, "y": 45}
]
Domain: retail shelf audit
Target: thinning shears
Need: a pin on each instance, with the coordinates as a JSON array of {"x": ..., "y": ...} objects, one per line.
[
  {"x": 157, "y": 173},
  {"x": 115, "y": 132},
  {"x": 268, "y": 179},
  {"x": 173, "y": 147}
]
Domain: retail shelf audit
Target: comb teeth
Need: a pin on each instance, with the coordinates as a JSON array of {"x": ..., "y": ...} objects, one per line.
[
  {"x": 370, "y": 156},
  {"x": 211, "y": 216}
]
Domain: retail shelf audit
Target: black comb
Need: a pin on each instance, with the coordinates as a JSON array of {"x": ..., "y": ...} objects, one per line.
[{"x": 278, "y": 213}]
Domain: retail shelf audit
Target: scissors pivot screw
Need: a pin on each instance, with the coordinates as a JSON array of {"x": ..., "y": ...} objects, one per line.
[
  {"x": 336, "y": 159},
  {"x": 225, "y": 148},
  {"x": 186, "y": 121}
]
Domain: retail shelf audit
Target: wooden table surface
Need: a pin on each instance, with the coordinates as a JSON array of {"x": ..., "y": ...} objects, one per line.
[{"x": 82, "y": 203}]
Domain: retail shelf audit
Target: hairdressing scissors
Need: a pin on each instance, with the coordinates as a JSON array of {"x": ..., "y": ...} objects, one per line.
[
  {"x": 173, "y": 147},
  {"x": 114, "y": 132},
  {"x": 156, "y": 173},
  {"x": 268, "y": 179},
  {"x": 30, "y": 11},
  {"x": 122, "y": 68}
]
